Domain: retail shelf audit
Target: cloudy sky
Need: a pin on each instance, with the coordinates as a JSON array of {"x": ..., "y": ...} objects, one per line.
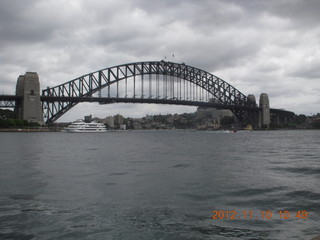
[{"x": 255, "y": 45}]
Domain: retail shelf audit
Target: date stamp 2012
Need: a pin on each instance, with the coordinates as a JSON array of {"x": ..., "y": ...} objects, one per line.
[{"x": 283, "y": 214}]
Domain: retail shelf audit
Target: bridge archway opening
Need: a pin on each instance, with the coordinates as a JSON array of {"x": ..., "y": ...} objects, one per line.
[
  {"x": 130, "y": 110},
  {"x": 156, "y": 86},
  {"x": 148, "y": 82}
]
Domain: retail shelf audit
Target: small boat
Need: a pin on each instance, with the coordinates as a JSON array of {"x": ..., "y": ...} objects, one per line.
[
  {"x": 248, "y": 127},
  {"x": 80, "y": 126}
]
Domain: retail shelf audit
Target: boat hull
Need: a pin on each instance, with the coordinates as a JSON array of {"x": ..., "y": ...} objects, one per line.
[
  {"x": 80, "y": 126},
  {"x": 85, "y": 131}
]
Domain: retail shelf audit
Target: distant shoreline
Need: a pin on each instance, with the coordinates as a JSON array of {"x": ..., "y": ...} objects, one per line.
[
  {"x": 29, "y": 130},
  {"x": 60, "y": 130}
]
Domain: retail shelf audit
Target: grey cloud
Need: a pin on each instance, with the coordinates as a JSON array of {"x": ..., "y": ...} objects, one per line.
[
  {"x": 21, "y": 24},
  {"x": 299, "y": 13},
  {"x": 255, "y": 45},
  {"x": 307, "y": 73},
  {"x": 304, "y": 14},
  {"x": 307, "y": 70}
]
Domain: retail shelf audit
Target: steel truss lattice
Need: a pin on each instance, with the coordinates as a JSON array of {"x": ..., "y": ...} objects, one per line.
[
  {"x": 149, "y": 82},
  {"x": 9, "y": 101}
]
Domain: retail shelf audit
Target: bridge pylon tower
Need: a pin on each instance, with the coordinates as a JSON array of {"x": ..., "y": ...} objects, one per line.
[
  {"x": 264, "y": 117},
  {"x": 30, "y": 107}
]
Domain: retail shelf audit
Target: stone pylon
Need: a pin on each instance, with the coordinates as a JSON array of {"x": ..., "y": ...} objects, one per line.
[
  {"x": 265, "y": 110},
  {"x": 254, "y": 115},
  {"x": 28, "y": 87}
]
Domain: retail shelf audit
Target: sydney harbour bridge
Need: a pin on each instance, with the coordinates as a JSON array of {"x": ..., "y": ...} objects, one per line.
[{"x": 158, "y": 82}]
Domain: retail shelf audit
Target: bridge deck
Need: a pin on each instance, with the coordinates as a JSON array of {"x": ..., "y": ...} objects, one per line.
[
  {"x": 104, "y": 100},
  {"x": 9, "y": 101},
  {"x": 9, "y": 97}
]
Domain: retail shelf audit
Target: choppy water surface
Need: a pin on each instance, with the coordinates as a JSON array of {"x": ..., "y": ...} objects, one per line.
[{"x": 159, "y": 185}]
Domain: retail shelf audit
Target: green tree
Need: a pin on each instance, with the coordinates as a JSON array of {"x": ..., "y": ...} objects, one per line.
[
  {"x": 3, "y": 123},
  {"x": 6, "y": 113},
  {"x": 11, "y": 123},
  {"x": 300, "y": 119},
  {"x": 316, "y": 123},
  {"x": 19, "y": 123},
  {"x": 227, "y": 120}
]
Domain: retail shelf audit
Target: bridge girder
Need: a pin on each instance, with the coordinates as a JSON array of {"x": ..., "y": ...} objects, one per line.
[
  {"x": 7, "y": 104},
  {"x": 9, "y": 101},
  {"x": 60, "y": 99}
]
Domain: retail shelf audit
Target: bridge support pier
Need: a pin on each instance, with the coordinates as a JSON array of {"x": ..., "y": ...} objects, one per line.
[
  {"x": 264, "y": 116},
  {"x": 253, "y": 114},
  {"x": 28, "y": 87}
]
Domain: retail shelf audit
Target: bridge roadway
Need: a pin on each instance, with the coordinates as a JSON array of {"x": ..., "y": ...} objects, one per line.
[
  {"x": 174, "y": 101},
  {"x": 10, "y": 101},
  {"x": 10, "y": 98}
]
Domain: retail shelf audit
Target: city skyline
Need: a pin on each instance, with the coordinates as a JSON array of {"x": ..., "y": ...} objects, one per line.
[{"x": 258, "y": 46}]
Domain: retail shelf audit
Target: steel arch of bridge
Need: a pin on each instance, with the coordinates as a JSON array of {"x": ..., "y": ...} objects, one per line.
[{"x": 60, "y": 99}]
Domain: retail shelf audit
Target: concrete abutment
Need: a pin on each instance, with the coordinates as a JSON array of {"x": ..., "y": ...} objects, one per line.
[
  {"x": 30, "y": 108},
  {"x": 261, "y": 117},
  {"x": 264, "y": 116}
]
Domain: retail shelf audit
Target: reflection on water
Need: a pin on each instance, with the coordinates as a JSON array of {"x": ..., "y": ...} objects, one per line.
[{"x": 158, "y": 185}]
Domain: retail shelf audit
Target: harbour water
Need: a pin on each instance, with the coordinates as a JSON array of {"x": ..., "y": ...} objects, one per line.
[{"x": 160, "y": 185}]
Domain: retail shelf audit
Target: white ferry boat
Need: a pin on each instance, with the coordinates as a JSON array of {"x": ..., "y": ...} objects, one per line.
[{"x": 83, "y": 127}]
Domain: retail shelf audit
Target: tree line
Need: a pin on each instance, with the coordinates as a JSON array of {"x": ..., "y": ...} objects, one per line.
[{"x": 9, "y": 120}]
